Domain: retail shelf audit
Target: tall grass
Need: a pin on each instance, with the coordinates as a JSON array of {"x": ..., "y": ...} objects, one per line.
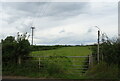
[{"x": 103, "y": 71}]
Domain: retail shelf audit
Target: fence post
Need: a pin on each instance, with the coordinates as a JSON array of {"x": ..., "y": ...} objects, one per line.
[
  {"x": 39, "y": 63},
  {"x": 19, "y": 60},
  {"x": 90, "y": 61}
]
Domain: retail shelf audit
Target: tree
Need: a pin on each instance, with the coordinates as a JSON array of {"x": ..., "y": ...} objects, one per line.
[
  {"x": 22, "y": 49},
  {"x": 23, "y": 46},
  {"x": 8, "y": 49},
  {"x": 14, "y": 50}
]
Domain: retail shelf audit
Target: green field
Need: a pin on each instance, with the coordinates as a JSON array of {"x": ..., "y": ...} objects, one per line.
[
  {"x": 64, "y": 51},
  {"x": 55, "y": 64}
]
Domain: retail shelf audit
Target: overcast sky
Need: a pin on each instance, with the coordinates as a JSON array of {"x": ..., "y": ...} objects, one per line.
[{"x": 59, "y": 22}]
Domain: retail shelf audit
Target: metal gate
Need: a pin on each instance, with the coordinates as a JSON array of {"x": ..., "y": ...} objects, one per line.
[{"x": 76, "y": 65}]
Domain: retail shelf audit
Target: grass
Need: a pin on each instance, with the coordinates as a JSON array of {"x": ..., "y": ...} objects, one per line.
[
  {"x": 65, "y": 51},
  {"x": 103, "y": 71},
  {"x": 63, "y": 62},
  {"x": 55, "y": 68}
]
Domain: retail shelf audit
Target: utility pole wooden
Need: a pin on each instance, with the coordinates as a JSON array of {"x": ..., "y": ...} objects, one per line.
[
  {"x": 98, "y": 49},
  {"x": 32, "y": 33}
]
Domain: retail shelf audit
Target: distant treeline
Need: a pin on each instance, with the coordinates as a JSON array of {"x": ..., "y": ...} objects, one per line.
[
  {"x": 39, "y": 48},
  {"x": 43, "y": 47}
]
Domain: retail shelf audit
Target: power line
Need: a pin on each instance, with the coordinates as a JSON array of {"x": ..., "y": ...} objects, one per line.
[
  {"x": 41, "y": 12},
  {"x": 33, "y": 21}
]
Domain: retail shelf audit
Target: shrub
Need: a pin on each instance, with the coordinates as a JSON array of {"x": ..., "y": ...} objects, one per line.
[
  {"x": 109, "y": 51},
  {"x": 12, "y": 49},
  {"x": 103, "y": 71},
  {"x": 24, "y": 69}
]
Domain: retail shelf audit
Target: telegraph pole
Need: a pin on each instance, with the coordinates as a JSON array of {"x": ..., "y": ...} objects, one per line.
[
  {"x": 98, "y": 47},
  {"x": 32, "y": 33},
  {"x": 98, "y": 52}
]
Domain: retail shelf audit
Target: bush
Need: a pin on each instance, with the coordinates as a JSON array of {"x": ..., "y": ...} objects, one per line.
[
  {"x": 11, "y": 49},
  {"x": 110, "y": 54},
  {"x": 24, "y": 69},
  {"x": 8, "y": 49},
  {"x": 103, "y": 71},
  {"x": 109, "y": 51},
  {"x": 23, "y": 48}
]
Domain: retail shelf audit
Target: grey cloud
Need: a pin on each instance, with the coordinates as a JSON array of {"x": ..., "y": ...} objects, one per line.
[
  {"x": 24, "y": 28},
  {"x": 31, "y": 7},
  {"x": 67, "y": 9},
  {"x": 67, "y": 40},
  {"x": 62, "y": 31},
  {"x": 90, "y": 30},
  {"x": 57, "y": 10},
  {"x": 51, "y": 15},
  {"x": 18, "y": 10}
]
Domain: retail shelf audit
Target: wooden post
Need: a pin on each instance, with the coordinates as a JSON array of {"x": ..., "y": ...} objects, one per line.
[
  {"x": 39, "y": 64},
  {"x": 98, "y": 49},
  {"x": 19, "y": 60},
  {"x": 90, "y": 61}
]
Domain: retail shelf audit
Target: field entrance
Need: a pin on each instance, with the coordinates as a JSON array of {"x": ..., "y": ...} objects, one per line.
[
  {"x": 76, "y": 65},
  {"x": 57, "y": 62},
  {"x": 65, "y": 63}
]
